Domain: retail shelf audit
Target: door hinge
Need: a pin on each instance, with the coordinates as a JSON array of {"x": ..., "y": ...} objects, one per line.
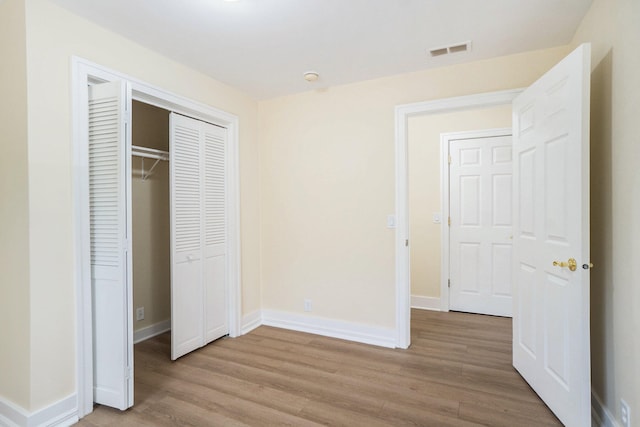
[
  {"x": 449, "y": 221},
  {"x": 449, "y": 159},
  {"x": 406, "y": 242},
  {"x": 448, "y": 283},
  {"x": 128, "y": 373}
]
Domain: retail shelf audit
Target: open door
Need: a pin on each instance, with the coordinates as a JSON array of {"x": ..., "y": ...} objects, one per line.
[
  {"x": 551, "y": 343},
  {"x": 110, "y": 220}
]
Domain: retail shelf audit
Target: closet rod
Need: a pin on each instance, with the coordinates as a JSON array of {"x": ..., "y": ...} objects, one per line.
[{"x": 149, "y": 153}]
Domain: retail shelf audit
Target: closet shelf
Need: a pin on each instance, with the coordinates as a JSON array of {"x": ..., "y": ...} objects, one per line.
[{"x": 149, "y": 153}]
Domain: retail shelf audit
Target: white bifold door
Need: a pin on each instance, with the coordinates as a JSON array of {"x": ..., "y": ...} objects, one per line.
[
  {"x": 480, "y": 199},
  {"x": 199, "y": 312},
  {"x": 551, "y": 238},
  {"x": 110, "y": 242}
]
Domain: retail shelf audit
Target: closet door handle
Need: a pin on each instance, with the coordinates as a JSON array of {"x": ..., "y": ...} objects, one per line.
[{"x": 189, "y": 258}]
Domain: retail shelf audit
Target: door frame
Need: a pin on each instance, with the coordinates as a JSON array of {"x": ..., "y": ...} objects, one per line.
[
  {"x": 445, "y": 246},
  {"x": 403, "y": 265},
  {"x": 83, "y": 73}
]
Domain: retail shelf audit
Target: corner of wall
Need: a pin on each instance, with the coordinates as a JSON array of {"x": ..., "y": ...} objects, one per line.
[{"x": 14, "y": 209}]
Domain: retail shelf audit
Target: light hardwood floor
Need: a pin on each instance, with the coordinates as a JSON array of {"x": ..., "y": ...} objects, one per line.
[{"x": 457, "y": 372}]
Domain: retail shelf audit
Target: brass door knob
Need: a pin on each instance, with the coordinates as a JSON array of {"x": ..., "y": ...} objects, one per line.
[{"x": 571, "y": 263}]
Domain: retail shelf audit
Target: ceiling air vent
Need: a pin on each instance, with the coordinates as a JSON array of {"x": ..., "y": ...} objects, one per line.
[{"x": 447, "y": 50}]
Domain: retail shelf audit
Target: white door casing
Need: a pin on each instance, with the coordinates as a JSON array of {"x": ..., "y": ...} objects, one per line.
[
  {"x": 480, "y": 200},
  {"x": 199, "y": 312},
  {"x": 403, "y": 267},
  {"x": 551, "y": 342},
  {"x": 110, "y": 243},
  {"x": 84, "y": 74}
]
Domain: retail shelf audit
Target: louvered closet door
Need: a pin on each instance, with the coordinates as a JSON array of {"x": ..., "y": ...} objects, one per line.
[
  {"x": 199, "y": 234},
  {"x": 110, "y": 255},
  {"x": 215, "y": 239},
  {"x": 187, "y": 308}
]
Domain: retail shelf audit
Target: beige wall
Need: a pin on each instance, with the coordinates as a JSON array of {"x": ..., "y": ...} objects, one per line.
[
  {"x": 328, "y": 183},
  {"x": 313, "y": 204},
  {"x": 150, "y": 218},
  {"x": 612, "y": 28},
  {"x": 424, "y": 186},
  {"x": 14, "y": 207},
  {"x": 53, "y": 35}
]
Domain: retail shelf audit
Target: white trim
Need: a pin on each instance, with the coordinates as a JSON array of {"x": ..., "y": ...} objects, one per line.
[
  {"x": 403, "y": 266},
  {"x": 600, "y": 414},
  {"x": 151, "y": 331},
  {"x": 425, "y": 303},
  {"x": 60, "y": 414},
  {"x": 445, "y": 247},
  {"x": 251, "y": 321},
  {"x": 84, "y": 72},
  {"x": 11, "y": 414},
  {"x": 383, "y": 337}
]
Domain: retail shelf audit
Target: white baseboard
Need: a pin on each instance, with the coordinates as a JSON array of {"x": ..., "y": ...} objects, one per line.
[
  {"x": 600, "y": 414},
  {"x": 151, "y": 331},
  {"x": 251, "y": 321},
  {"x": 12, "y": 415},
  {"x": 63, "y": 413},
  {"x": 425, "y": 303},
  {"x": 384, "y": 337}
]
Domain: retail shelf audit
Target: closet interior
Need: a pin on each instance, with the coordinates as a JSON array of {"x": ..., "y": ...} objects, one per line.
[{"x": 150, "y": 221}]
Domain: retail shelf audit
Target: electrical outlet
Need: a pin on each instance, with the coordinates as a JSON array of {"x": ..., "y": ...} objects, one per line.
[
  {"x": 140, "y": 313},
  {"x": 625, "y": 414},
  {"x": 308, "y": 305}
]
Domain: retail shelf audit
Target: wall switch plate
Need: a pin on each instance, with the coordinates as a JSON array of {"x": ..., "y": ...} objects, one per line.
[
  {"x": 625, "y": 413},
  {"x": 140, "y": 313},
  {"x": 391, "y": 221},
  {"x": 308, "y": 305},
  {"x": 437, "y": 218}
]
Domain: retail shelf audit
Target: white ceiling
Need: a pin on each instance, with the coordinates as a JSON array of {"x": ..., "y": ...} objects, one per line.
[{"x": 264, "y": 46}]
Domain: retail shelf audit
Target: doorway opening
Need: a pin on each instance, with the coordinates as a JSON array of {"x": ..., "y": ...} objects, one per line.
[
  {"x": 431, "y": 223},
  {"x": 150, "y": 221},
  {"x": 403, "y": 114}
]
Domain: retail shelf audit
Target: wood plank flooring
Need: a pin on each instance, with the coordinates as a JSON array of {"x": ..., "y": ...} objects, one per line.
[{"x": 457, "y": 372}]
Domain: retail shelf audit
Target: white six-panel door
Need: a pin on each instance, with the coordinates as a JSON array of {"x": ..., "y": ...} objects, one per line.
[
  {"x": 480, "y": 199},
  {"x": 110, "y": 220},
  {"x": 199, "y": 311},
  {"x": 551, "y": 343}
]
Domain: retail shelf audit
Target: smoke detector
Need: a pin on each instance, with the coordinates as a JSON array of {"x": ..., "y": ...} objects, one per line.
[
  {"x": 448, "y": 50},
  {"x": 311, "y": 76}
]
